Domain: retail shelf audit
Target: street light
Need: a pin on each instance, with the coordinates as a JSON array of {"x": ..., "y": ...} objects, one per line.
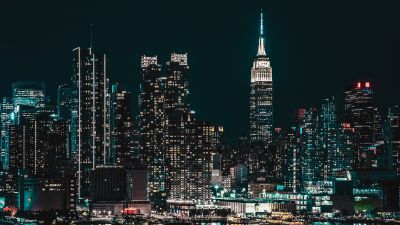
[{"x": 216, "y": 190}]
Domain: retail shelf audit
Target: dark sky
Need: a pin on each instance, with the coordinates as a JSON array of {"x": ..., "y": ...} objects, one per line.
[{"x": 316, "y": 48}]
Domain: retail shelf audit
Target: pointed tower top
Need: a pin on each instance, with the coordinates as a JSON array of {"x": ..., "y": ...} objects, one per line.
[
  {"x": 91, "y": 36},
  {"x": 261, "y": 47},
  {"x": 261, "y": 24}
]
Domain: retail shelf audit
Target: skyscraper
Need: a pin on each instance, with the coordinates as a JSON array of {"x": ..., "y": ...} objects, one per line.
[
  {"x": 345, "y": 145},
  {"x": 122, "y": 129},
  {"x": 311, "y": 158},
  {"x": 177, "y": 146},
  {"x": 391, "y": 131},
  {"x": 261, "y": 107},
  {"x": 363, "y": 117},
  {"x": 63, "y": 112},
  {"x": 328, "y": 128},
  {"x": 153, "y": 128},
  {"x": 64, "y": 102},
  {"x": 7, "y": 118},
  {"x": 290, "y": 145},
  {"x": 90, "y": 133}
]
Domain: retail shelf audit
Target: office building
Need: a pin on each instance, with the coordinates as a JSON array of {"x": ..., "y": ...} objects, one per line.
[
  {"x": 90, "y": 128},
  {"x": 122, "y": 129}
]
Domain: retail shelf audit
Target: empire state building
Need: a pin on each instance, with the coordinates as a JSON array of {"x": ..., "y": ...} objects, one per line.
[{"x": 261, "y": 109}]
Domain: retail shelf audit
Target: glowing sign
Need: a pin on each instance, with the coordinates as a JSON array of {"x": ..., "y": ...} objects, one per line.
[{"x": 131, "y": 211}]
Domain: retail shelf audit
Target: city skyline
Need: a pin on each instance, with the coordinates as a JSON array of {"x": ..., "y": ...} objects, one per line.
[
  {"x": 306, "y": 47},
  {"x": 168, "y": 143}
]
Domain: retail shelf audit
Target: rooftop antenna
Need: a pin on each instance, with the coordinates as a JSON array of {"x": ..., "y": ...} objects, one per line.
[
  {"x": 261, "y": 23},
  {"x": 91, "y": 36}
]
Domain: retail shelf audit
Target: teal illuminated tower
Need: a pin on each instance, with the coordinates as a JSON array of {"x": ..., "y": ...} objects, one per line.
[{"x": 261, "y": 108}]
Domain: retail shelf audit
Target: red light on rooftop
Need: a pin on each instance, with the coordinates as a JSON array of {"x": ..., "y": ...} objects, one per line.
[
  {"x": 367, "y": 84},
  {"x": 358, "y": 84}
]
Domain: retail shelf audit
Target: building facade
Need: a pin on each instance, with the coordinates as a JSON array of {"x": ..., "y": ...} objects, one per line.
[{"x": 122, "y": 128}]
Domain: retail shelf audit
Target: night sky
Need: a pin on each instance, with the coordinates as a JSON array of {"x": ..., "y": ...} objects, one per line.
[{"x": 316, "y": 48}]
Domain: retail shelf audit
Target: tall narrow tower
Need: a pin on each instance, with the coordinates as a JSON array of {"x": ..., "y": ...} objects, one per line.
[
  {"x": 90, "y": 126},
  {"x": 261, "y": 120}
]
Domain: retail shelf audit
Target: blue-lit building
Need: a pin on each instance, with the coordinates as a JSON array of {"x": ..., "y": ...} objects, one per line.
[
  {"x": 28, "y": 98},
  {"x": 7, "y": 118},
  {"x": 311, "y": 158},
  {"x": 28, "y": 94},
  {"x": 292, "y": 166},
  {"x": 328, "y": 128},
  {"x": 64, "y": 101},
  {"x": 391, "y": 130}
]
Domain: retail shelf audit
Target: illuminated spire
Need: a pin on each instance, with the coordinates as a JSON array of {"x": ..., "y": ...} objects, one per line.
[
  {"x": 91, "y": 36},
  {"x": 261, "y": 47},
  {"x": 261, "y": 24}
]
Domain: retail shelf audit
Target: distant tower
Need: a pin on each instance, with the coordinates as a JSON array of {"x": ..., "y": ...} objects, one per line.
[
  {"x": 363, "y": 116},
  {"x": 261, "y": 120}
]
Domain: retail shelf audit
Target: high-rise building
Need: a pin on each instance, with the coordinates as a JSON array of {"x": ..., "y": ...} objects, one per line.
[
  {"x": 64, "y": 113},
  {"x": 361, "y": 114},
  {"x": 152, "y": 123},
  {"x": 346, "y": 146},
  {"x": 311, "y": 157},
  {"x": 177, "y": 146},
  {"x": 122, "y": 129},
  {"x": 290, "y": 147},
  {"x": 181, "y": 139},
  {"x": 90, "y": 128},
  {"x": 328, "y": 128},
  {"x": 177, "y": 85},
  {"x": 392, "y": 139},
  {"x": 7, "y": 118},
  {"x": 28, "y": 99},
  {"x": 64, "y": 100},
  {"x": 28, "y": 93},
  {"x": 37, "y": 145},
  {"x": 190, "y": 143},
  {"x": 261, "y": 101},
  {"x": 394, "y": 116},
  {"x": 209, "y": 141},
  {"x": 181, "y": 158}
]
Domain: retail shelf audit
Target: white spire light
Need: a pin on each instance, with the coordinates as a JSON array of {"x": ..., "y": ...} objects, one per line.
[{"x": 261, "y": 46}]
